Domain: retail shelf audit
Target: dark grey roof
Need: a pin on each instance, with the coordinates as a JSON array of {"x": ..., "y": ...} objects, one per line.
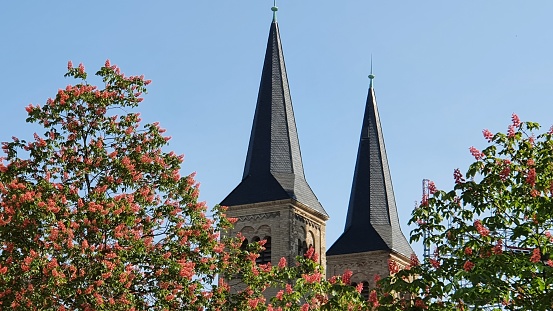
[
  {"x": 274, "y": 169},
  {"x": 372, "y": 222}
]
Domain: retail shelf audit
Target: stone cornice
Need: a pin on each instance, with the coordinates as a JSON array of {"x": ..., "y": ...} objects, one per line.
[{"x": 307, "y": 221}]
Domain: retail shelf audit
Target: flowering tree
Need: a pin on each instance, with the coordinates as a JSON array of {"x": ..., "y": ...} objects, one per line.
[
  {"x": 491, "y": 233},
  {"x": 95, "y": 216}
]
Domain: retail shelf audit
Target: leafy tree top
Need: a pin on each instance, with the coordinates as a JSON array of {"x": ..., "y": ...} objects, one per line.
[
  {"x": 491, "y": 233},
  {"x": 94, "y": 215}
]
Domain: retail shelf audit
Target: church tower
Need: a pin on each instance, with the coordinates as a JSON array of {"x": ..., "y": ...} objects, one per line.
[
  {"x": 372, "y": 236},
  {"x": 273, "y": 201}
]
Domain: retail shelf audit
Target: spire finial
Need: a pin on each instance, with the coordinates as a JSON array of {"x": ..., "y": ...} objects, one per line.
[
  {"x": 371, "y": 76},
  {"x": 274, "y": 9}
]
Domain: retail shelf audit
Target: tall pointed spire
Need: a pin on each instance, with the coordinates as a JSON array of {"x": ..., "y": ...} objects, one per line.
[
  {"x": 372, "y": 221},
  {"x": 274, "y": 169}
]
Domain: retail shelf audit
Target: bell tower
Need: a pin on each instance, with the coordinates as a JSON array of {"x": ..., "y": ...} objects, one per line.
[
  {"x": 372, "y": 237},
  {"x": 274, "y": 201}
]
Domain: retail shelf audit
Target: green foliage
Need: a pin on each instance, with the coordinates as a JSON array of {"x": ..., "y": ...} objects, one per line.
[
  {"x": 491, "y": 232},
  {"x": 94, "y": 215}
]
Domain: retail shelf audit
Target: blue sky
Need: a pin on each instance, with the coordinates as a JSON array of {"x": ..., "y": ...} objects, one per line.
[{"x": 445, "y": 70}]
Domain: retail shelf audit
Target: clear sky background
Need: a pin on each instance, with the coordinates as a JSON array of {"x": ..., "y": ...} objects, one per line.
[{"x": 444, "y": 70}]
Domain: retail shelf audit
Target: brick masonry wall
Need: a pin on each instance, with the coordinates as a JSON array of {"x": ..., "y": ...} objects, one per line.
[
  {"x": 288, "y": 223},
  {"x": 364, "y": 265}
]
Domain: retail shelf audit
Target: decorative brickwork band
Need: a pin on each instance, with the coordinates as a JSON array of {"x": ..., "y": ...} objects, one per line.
[{"x": 257, "y": 217}]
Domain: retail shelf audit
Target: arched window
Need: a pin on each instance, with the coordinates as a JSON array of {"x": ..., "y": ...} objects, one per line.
[
  {"x": 304, "y": 248},
  {"x": 265, "y": 255},
  {"x": 365, "y": 291},
  {"x": 244, "y": 245},
  {"x": 299, "y": 248}
]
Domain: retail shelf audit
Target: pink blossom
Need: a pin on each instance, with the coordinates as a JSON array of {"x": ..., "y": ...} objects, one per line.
[
  {"x": 483, "y": 231},
  {"x": 69, "y": 65},
  {"x": 414, "y": 260},
  {"x": 432, "y": 187},
  {"x": 458, "y": 176},
  {"x": 420, "y": 304},
  {"x": 487, "y": 135},
  {"x": 373, "y": 299},
  {"x": 81, "y": 68},
  {"x": 312, "y": 278},
  {"x": 536, "y": 255},
  {"x": 393, "y": 266},
  {"x": 309, "y": 253},
  {"x": 511, "y": 131},
  {"x": 282, "y": 263},
  {"x": 424, "y": 200},
  {"x": 531, "y": 177},
  {"x": 476, "y": 153},
  {"x": 253, "y": 303},
  {"x": 468, "y": 266},
  {"x": 376, "y": 278},
  {"x": 516, "y": 120},
  {"x": 504, "y": 174},
  {"x": 346, "y": 276}
]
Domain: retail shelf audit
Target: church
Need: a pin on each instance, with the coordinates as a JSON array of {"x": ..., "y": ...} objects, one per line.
[{"x": 274, "y": 202}]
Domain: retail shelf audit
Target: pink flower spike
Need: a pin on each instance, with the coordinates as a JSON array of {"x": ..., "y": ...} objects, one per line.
[
  {"x": 81, "y": 68},
  {"x": 476, "y": 153},
  {"x": 487, "y": 135},
  {"x": 458, "y": 176},
  {"x": 516, "y": 120},
  {"x": 282, "y": 263},
  {"x": 511, "y": 131},
  {"x": 468, "y": 265},
  {"x": 69, "y": 65},
  {"x": 432, "y": 187},
  {"x": 536, "y": 255}
]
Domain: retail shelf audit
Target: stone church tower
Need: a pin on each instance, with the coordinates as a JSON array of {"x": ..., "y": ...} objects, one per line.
[
  {"x": 372, "y": 235},
  {"x": 273, "y": 201}
]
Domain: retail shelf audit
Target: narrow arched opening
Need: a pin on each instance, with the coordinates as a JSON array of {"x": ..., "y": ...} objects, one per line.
[
  {"x": 265, "y": 255},
  {"x": 244, "y": 245},
  {"x": 365, "y": 290}
]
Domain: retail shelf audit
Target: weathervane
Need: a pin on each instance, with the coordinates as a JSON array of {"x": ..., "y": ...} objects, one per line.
[{"x": 274, "y": 9}]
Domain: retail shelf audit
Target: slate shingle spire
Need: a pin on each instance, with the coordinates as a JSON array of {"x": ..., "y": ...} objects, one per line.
[
  {"x": 274, "y": 169},
  {"x": 372, "y": 222}
]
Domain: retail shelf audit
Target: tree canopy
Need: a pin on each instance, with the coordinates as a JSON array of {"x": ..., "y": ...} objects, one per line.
[
  {"x": 491, "y": 234},
  {"x": 94, "y": 215}
]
